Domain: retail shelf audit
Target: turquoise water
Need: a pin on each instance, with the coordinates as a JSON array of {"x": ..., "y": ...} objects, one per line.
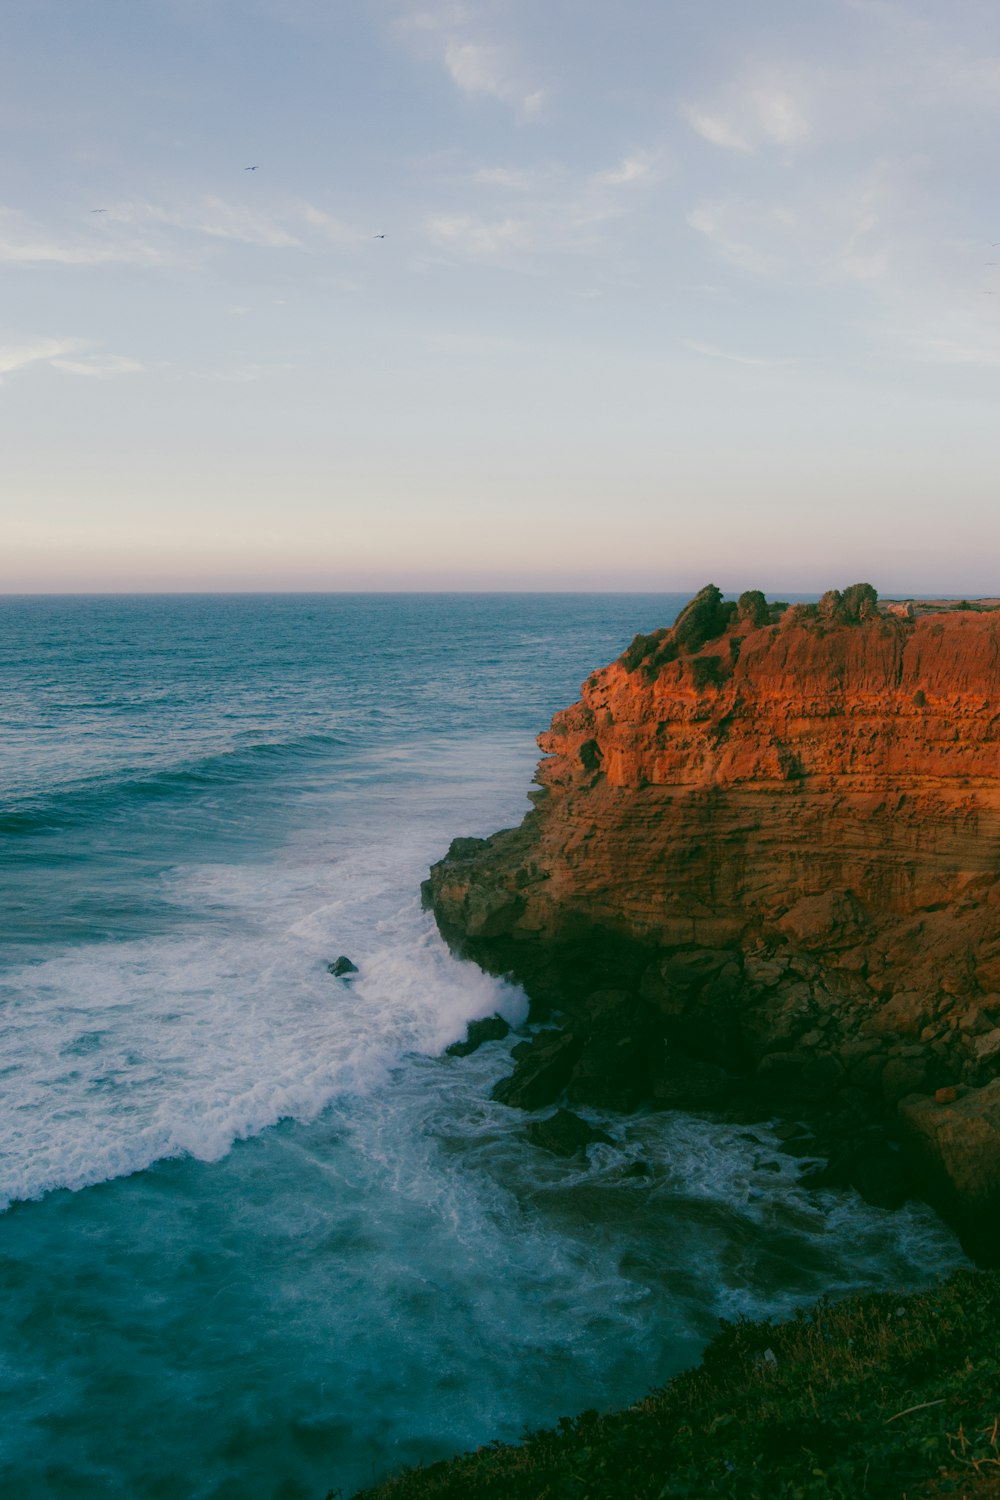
[{"x": 260, "y": 1238}]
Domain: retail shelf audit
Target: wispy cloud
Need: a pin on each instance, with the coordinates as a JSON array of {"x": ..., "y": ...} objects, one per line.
[
  {"x": 99, "y": 365},
  {"x": 66, "y": 355},
  {"x": 333, "y": 229},
  {"x": 478, "y": 66},
  {"x": 715, "y": 129},
  {"x": 475, "y": 236},
  {"x": 23, "y": 243},
  {"x": 710, "y": 351},
  {"x": 557, "y": 209},
  {"x": 761, "y": 113},
  {"x": 632, "y": 169},
  {"x": 17, "y": 356},
  {"x": 719, "y": 223},
  {"x": 213, "y": 217},
  {"x": 779, "y": 115}
]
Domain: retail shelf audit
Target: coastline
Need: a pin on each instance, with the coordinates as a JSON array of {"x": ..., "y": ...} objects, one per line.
[
  {"x": 779, "y": 1010},
  {"x": 760, "y": 877}
]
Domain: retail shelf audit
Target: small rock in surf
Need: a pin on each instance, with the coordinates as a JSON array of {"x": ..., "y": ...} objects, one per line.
[{"x": 341, "y": 968}]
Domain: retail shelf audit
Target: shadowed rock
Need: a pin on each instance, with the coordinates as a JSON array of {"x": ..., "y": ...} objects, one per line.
[
  {"x": 490, "y": 1029},
  {"x": 564, "y": 1133}
]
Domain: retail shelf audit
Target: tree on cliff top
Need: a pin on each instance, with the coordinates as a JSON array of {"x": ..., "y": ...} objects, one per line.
[
  {"x": 703, "y": 618},
  {"x": 752, "y": 606},
  {"x": 857, "y": 603},
  {"x": 860, "y": 602}
]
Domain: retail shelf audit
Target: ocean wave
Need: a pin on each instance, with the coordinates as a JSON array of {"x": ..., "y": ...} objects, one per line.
[{"x": 80, "y": 801}]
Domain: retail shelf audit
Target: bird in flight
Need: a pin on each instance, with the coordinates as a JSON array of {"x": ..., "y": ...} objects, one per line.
[
  {"x": 249, "y": 169},
  {"x": 378, "y": 236},
  {"x": 98, "y": 210}
]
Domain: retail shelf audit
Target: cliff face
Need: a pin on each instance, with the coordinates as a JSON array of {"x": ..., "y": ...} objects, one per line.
[
  {"x": 815, "y": 801},
  {"x": 859, "y": 768}
]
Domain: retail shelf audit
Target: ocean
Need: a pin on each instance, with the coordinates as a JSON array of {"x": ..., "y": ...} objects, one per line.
[{"x": 259, "y": 1237}]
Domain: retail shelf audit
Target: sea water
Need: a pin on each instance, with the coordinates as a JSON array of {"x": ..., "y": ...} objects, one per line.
[{"x": 261, "y": 1238}]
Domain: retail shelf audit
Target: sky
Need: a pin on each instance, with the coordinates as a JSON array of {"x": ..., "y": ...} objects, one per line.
[{"x": 520, "y": 294}]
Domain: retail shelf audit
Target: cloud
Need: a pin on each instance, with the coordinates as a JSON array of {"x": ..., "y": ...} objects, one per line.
[
  {"x": 714, "y": 129},
  {"x": 24, "y": 244},
  {"x": 558, "y": 210},
  {"x": 632, "y": 169},
  {"x": 711, "y": 352},
  {"x": 55, "y": 352},
  {"x": 713, "y": 220},
  {"x": 99, "y": 365},
  {"x": 817, "y": 233},
  {"x": 477, "y": 68},
  {"x": 760, "y": 114},
  {"x": 331, "y": 227},
  {"x": 477, "y": 237},
  {"x": 213, "y": 217},
  {"x": 779, "y": 116},
  {"x": 16, "y": 356}
]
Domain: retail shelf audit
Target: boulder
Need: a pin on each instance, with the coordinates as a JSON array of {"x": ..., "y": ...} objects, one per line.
[
  {"x": 905, "y": 1014},
  {"x": 902, "y": 1076},
  {"x": 540, "y": 1077},
  {"x": 489, "y": 1029},
  {"x": 954, "y": 1148},
  {"x": 564, "y": 1133}
]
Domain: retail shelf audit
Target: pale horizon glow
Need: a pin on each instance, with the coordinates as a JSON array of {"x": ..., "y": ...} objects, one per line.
[{"x": 665, "y": 294}]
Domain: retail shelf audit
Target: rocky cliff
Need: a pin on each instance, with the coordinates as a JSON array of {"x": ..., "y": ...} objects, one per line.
[{"x": 763, "y": 866}]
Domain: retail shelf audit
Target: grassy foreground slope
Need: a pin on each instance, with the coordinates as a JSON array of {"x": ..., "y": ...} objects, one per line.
[{"x": 881, "y": 1395}]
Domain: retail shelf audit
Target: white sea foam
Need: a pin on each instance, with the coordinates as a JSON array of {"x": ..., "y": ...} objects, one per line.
[{"x": 117, "y": 1055}]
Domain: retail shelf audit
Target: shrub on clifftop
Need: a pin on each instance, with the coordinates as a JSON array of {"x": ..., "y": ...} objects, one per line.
[
  {"x": 703, "y": 619},
  {"x": 752, "y": 605},
  {"x": 857, "y": 603}
]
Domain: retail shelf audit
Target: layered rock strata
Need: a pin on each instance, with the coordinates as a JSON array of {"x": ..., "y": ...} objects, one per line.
[{"x": 762, "y": 873}]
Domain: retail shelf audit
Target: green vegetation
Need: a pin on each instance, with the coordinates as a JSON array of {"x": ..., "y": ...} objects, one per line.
[
  {"x": 857, "y": 603},
  {"x": 708, "y": 616},
  {"x": 703, "y": 619},
  {"x": 753, "y": 606},
  {"x": 885, "y": 1396}
]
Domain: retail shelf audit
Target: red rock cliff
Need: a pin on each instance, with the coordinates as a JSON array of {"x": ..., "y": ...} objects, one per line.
[
  {"x": 836, "y": 782},
  {"x": 818, "y": 797}
]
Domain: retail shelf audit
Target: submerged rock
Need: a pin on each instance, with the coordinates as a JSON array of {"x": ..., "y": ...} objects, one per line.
[{"x": 489, "y": 1029}]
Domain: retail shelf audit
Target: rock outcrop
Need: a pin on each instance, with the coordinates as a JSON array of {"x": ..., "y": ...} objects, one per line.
[{"x": 765, "y": 858}]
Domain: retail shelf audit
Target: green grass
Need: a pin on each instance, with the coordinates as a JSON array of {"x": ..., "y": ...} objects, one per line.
[{"x": 881, "y": 1395}]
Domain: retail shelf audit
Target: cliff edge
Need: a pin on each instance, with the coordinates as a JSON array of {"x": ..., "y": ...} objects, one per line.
[{"x": 763, "y": 871}]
